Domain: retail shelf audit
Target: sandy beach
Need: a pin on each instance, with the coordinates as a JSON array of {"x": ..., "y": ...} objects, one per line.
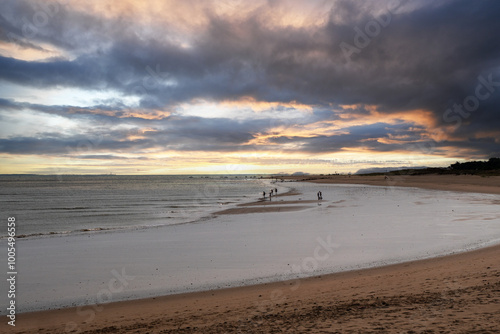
[
  {"x": 457, "y": 293},
  {"x": 465, "y": 183},
  {"x": 453, "y": 294}
]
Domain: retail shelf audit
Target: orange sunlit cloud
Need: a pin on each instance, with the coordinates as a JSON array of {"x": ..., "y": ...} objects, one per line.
[{"x": 260, "y": 106}]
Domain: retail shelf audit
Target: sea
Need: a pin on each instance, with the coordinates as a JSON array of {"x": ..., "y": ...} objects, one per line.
[{"x": 69, "y": 204}]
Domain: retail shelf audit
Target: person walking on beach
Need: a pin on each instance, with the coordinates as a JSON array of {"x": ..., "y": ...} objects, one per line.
[
  {"x": 276, "y": 191},
  {"x": 264, "y": 194},
  {"x": 320, "y": 195}
]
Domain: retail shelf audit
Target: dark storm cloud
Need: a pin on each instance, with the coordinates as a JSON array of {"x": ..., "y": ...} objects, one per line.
[
  {"x": 61, "y": 145},
  {"x": 9, "y": 104},
  {"x": 54, "y": 73},
  {"x": 427, "y": 58}
]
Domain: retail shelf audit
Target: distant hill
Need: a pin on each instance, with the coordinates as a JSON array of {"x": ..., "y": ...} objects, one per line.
[
  {"x": 300, "y": 174},
  {"x": 379, "y": 170}
]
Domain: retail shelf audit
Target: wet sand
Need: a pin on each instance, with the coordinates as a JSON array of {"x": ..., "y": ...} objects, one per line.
[
  {"x": 277, "y": 204},
  {"x": 461, "y": 183},
  {"x": 453, "y": 294}
]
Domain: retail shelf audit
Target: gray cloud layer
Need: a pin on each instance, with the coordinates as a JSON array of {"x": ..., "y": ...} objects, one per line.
[{"x": 429, "y": 58}]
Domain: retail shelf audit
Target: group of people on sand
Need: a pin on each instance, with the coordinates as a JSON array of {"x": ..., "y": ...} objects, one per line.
[
  {"x": 271, "y": 193},
  {"x": 275, "y": 193}
]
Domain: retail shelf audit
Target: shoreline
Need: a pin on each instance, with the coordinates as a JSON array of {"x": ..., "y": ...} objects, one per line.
[
  {"x": 454, "y": 293},
  {"x": 262, "y": 306}
]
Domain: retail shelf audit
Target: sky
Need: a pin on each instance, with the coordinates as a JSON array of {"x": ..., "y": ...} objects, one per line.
[{"x": 263, "y": 86}]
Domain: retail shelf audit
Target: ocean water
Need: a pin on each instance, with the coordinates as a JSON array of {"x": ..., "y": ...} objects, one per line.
[{"x": 85, "y": 204}]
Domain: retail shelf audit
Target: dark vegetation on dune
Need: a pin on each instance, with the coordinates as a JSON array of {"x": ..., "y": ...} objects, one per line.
[{"x": 482, "y": 168}]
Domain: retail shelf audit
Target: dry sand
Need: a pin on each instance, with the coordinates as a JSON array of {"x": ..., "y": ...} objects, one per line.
[
  {"x": 454, "y": 294},
  {"x": 467, "y": 183}
]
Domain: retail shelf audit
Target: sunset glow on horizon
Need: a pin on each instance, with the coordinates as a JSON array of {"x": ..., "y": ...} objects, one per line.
[{"x": 237, "y": 87}]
